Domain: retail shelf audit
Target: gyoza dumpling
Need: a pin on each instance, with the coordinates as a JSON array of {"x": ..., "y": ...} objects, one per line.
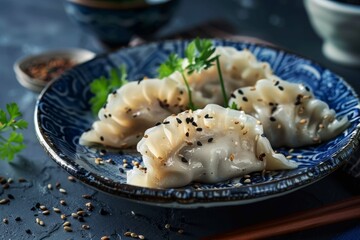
[
  {"x": 133, "y": 108},
  {"x": 208, "y": 145},
  {"x": 289, "y": 112},
  {"x": 239, "y": 69}
]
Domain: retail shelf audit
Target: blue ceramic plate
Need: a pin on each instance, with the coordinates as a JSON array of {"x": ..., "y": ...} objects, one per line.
[{"x": 63, "y": 113}]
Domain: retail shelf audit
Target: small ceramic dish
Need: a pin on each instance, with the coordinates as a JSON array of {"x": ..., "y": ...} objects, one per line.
[
  {"x": 63, "y": 113},
  {"x": 337, "y": 23},
  {"x": 21, "y": 66}
]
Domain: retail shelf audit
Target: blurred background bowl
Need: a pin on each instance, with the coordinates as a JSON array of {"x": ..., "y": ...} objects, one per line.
[
  {"x": 338, "y": 24},
  {"x": 115, "y": 22},
  {"x": 75, "y": 56}
]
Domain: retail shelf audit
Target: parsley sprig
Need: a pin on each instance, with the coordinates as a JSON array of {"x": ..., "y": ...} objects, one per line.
[
  {"x": 102, "y": 86},
  {"x": 199, "y": 54},
  {"x": 11, "y": 143}
]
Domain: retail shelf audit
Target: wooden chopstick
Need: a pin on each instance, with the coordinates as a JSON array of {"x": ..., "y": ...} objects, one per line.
[{"x": 332, "y": 213}]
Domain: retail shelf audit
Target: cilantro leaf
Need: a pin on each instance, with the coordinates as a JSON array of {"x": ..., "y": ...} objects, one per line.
[
  {"x": 101, "y": 87},
  {"x": 171, "y": 65},
  {"x": 13, "y": 144},
  {"x": 200, "y": 56}
]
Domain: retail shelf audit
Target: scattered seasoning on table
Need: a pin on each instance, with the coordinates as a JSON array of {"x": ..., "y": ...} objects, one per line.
[
  {"x": 167, "y": 226},
  {"x": 49, "y": 69},
  {"x": 5, "y": 220},
  {"x": 105, "y": 238},
  {"x": 18, "y": 219},
  {"x": 180, "y": 231}
]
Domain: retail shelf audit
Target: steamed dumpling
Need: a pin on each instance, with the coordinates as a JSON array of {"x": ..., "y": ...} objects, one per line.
[
  {"x": 208, "y": 145},
  {"x": 289, "y": 112},
  {"x": 133, "y": 108},
  {"x": 239, "y": 69}
]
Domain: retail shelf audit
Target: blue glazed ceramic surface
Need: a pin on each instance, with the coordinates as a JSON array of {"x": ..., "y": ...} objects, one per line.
[{"x": 63, "y": 113}]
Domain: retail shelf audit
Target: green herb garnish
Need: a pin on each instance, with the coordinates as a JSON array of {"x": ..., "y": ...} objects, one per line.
[
  {"x": 171, "y": 65},
  {"x": 102, "y": 86},
  {"x": 13, "y": 143},
  {"x": 234, "y": 106},
  {"x": 199, "y": 54}
]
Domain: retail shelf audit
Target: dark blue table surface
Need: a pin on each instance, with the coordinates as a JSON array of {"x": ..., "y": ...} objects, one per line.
[{"x": 28, "y": 27}]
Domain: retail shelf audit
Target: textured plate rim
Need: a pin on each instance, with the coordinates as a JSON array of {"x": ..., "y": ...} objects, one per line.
[{"x": 205, "y": 197}]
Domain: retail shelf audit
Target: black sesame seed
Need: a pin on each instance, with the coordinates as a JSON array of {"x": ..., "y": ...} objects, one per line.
[
  {"x": 33, "y": 209},
  {"x": 181, "y": 92},
  {"x": 271, "y": 104},
  {"x": 199, "y": 143},
  {"x": 37, "y": 205},
  {"x": 194, "y": 124},
  {"x": 121, "y": 170},
  {"x": 101, "y": 138},
  {"x": 210, "y": 140},
  {"x": 207, "y": 116},
  {"x": 272, "y": 119},
  {"x": 261, "y": 157},
  {"x": 273, "y": 109},
  {"x": 18, "y": 219},
  {"x": 233, "y": 95},
  {"x": 240, "y": 91},
  {"x": 184, "y": 160},
  {"x": 188, "y": 120},
  {"x": 10, "y": 196},
  {"x": 199, "y": 129},
  {"x": 28, "y": 231},
  {"x": 166, "y": 122},
  {"x": 187, "y": 134},
  {"x": 114, "y": 92},
  {"x": 178, "y": 120},
  {"x": 158, "y": 123},
  {"x": 109, "y": 115},
  {"x": 103, "y": 212},
  {"x": 307, "y": 88},
  {"x": 105, "y": 116},
  {"x": 245, "y": 99},
  {"x": 281, "y": 88},
  {"x": 277, "y": 83}
]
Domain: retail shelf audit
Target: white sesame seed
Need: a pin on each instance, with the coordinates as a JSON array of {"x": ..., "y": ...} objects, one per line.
[
  {"x": 57, "y": 210},
  {"x": 66, "y": 224},
  {"x": 62, "y": 190},
  {"x": 71, "y": 178},
  {"x": 68, "y": 229},
  {"x": 248, "y": 180},
  {"x": 46, "y": 212},
  {"x": 43, "y": 208},
  {"x": 86, "y": 227}
]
